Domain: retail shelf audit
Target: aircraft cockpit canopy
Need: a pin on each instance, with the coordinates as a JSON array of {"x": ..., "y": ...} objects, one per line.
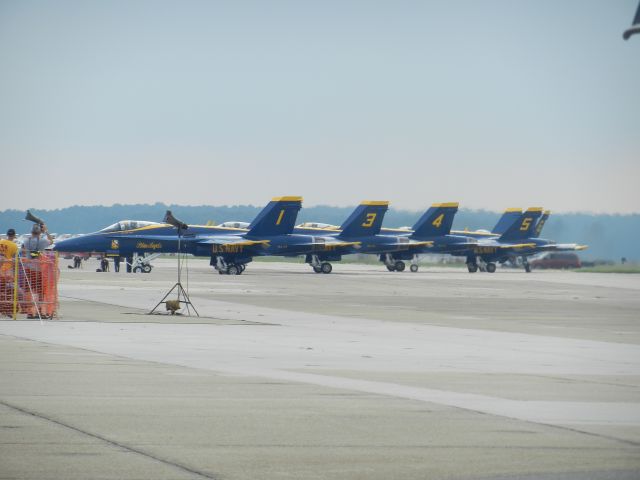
[
  {"x": 234, "y": 224},
  {"x": 124, "y": 225},
  {"x": 326, "y": 226}
]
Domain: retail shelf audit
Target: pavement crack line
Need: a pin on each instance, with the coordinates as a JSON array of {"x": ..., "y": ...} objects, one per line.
[{"x": 113, "y": 443}]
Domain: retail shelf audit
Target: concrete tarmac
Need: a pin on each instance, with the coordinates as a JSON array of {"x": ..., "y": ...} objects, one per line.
[{"x": 360, "y": 374}]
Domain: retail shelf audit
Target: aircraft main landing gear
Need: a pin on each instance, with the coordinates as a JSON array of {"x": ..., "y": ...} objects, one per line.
[
  {"x": 320, "y": 267},
  {"x": 491, "y": 267},
  {"x": 526, "y": 265},
  {"x": 225, "y": 268},
  {"x": 393, "y": 265}
]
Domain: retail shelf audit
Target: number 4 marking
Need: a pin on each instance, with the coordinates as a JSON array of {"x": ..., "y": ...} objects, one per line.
[{"x": 438, "y": 221}]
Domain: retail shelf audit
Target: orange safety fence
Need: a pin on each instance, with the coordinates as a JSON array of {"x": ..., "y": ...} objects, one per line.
[{"x": 29, "y": 286}]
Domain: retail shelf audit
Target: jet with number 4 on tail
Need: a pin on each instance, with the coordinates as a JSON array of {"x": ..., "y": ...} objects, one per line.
[
  {"x": 230, "y": 249},
  {"x": 433, "y": 229}
]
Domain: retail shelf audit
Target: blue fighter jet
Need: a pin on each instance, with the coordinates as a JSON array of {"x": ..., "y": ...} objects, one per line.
[
  {"x": 433, "y": 229},
  {"x": 544, "y": 245},
  {"x": 519, "y": 240},
  {"x": 360, "y": 233},
  {"x": 230, "y": 249}
]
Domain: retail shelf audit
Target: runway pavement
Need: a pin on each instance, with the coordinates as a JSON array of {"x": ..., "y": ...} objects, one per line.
[{"x": 360, "y": 374}]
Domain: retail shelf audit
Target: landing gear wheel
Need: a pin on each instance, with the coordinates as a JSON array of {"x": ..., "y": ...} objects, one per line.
[
  {"x": 232, "y": 270},
  {"x": 472, "y": 267},
  {"x": 491, "y": 267},
  {"x": 242, "y": 268},
  {"x": 413, "y": 268},
  {"x": 326, "y": 267},
  {"x": 137, "y": 269},
  {"x": 221, "y": 272},
  {"x": 317, "y": 268},
  {"x": 146, "y": 269},
  {"x": 391, "y": 268},
  {"x": 400, "y": 266}
]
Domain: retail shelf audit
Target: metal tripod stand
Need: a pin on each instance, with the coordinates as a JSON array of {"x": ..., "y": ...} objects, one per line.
[{"x": 183, "y": 296}]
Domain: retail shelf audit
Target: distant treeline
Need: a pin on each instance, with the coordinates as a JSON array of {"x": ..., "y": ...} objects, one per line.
[{"x": 610, "y": 237}]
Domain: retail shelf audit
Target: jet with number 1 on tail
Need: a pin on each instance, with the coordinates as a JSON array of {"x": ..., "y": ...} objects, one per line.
[{"x": 229, "y": 249}]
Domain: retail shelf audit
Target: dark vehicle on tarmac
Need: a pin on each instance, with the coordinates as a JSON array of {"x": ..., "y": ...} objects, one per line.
[{"x": 557, "y": 260}]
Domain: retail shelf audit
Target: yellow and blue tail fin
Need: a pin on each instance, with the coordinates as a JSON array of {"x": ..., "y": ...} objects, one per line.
[
  {"x": 541, "y": 223},
  {"x": 277, "y": 218},
  {"x": 436, "y": 221},
  {"x": 507, "y": 219},
  {"x": 524, "y": 226},
  {"x": 365, "y": 220}
]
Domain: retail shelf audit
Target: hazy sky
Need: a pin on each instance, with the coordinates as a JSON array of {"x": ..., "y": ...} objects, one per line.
[{"x": 489, "y": 103}]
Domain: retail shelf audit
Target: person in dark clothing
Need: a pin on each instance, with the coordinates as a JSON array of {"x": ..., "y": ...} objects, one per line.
[{"x": 116, "y": 264}]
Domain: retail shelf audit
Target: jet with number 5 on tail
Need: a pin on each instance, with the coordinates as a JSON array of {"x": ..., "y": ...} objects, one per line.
[
  {"x": 518, "y": 240},
  {"x": 544, "y": 245}
]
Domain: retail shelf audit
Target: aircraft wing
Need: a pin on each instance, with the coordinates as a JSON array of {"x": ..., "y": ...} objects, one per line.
[
  {"x": 562, "y": 247},
  {"x": 492, "y": 247},
  {"x": 416, "y": 244},
  {"x": 231, "y": 240}
]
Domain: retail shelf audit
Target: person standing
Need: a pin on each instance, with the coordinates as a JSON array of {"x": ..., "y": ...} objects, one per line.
[
  {"x": 116, "y": 264},
  {"x": 8, "y": 254},
  {"x": 36, "y": 244},
  {"x": 36, "y": 283}
]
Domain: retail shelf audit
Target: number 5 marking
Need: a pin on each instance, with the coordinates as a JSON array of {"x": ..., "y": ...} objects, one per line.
[
  {"x": 525, "y": 224},
  {"x": 438, "y": 221},
  {"x": 371, "y": 217}
]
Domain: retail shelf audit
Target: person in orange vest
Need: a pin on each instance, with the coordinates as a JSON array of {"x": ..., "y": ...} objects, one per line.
[{"x": 8, "y": 254}]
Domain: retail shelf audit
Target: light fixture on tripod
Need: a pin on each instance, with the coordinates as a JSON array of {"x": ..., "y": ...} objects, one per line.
[{"x": 183, "y": 298}]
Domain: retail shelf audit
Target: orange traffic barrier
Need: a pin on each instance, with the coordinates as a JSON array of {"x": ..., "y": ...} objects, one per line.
[{"x": 29, "y": 286}]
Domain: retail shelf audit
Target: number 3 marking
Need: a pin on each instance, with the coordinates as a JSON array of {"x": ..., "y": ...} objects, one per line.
[{"x": 371, "y": 217}]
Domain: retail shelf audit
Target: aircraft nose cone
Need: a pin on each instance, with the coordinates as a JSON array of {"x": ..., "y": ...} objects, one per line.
[{"x": 66, "y": 245}]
